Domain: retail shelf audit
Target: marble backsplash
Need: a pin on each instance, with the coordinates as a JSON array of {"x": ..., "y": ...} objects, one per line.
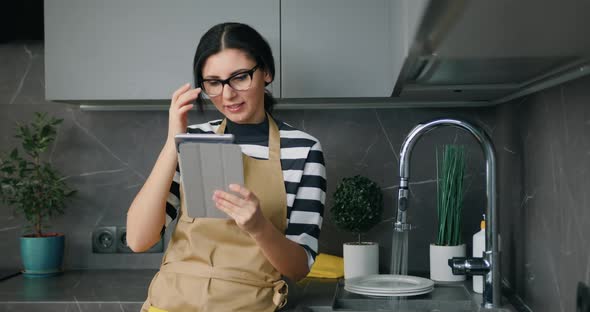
[
  {"x": 107, "y": 156},
  {"x": 544, "y": 199}
]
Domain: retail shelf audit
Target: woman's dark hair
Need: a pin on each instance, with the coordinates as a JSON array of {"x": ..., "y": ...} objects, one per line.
[{"x": 234, "y": 36}]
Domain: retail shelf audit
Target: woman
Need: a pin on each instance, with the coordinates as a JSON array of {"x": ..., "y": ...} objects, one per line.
[{"x": 274, "y": 219}]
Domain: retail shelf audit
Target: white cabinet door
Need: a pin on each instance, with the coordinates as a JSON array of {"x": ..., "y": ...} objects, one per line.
[
  {"x": 337, "y": 48},
  {"x": 138, "y": 49}
]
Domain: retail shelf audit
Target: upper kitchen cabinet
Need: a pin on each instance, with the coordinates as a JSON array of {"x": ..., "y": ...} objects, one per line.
[
  {"x": 339, "y": 48},
  {"x": 138, "y": 49}
]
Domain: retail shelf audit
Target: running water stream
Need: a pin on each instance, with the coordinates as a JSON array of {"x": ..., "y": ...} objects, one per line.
[{"x": 399, "y": 253}]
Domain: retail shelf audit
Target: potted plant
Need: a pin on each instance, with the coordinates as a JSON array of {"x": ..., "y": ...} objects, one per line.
[
  {"x": 35, "y": 189},
  {"x": 450, "y": 169},
  {"x": 358, "y": 205}
]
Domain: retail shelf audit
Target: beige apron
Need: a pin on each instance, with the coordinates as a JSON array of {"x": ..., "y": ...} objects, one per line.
[{"x": 212, "y": 265}]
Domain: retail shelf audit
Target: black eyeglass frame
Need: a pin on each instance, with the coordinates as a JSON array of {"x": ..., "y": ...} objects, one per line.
[{"x": 226, "y": 81}]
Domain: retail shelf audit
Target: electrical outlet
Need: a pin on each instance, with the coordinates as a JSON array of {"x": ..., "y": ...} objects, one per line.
[
  {"x": 122, "y": 247},
  {"x": 103, "y": 239},
  {"x": 122, "y": 240}
]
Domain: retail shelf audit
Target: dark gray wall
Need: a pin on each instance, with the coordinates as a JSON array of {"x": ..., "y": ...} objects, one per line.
[
  {"x": 108, "y": 155},
  {"x": 544, "y": 184}
]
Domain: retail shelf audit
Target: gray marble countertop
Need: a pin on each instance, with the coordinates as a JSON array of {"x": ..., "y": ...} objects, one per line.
[
  {"x": 119, "y": 290},
  {"x": 77, "y": 290},
  {"x": 125, "y": 290}
]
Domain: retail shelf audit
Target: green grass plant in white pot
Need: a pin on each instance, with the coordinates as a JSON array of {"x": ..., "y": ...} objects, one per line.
[
  {"x": 35, "y": 189},
  {"x": 358, "y": 206},
  {"x": 450, "y": 170}
]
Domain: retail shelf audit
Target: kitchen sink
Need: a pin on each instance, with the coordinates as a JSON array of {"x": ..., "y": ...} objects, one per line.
[
  {"x": 452, "y": 297},
  {"x": 408, "y": 308}
]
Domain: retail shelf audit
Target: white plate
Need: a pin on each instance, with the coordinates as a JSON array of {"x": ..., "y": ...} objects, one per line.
[
  {"x": 387, "y": 291},
  {"x": 389, "y": 285},
  {"x": 389, "y": 294},
  {"x": 384, "y": 289}
]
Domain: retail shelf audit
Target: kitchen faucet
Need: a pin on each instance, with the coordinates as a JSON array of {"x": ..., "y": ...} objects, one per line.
[{"x": 489, "y": 264}]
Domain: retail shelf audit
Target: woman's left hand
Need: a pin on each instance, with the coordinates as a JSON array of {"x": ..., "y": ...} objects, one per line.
[{"x": 245, "y": 210}]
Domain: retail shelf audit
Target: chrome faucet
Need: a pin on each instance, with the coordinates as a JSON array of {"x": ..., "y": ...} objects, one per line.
[{"x": 489, "y": 264}]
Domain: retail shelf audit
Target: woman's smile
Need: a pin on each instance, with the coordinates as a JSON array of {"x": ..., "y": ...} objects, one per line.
[{"x": 234, "y": 108}]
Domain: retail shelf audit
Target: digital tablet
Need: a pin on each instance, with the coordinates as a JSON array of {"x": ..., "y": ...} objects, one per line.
[
  {"x": 207, "y": 162},
  {"x": 203, "y": 138}
]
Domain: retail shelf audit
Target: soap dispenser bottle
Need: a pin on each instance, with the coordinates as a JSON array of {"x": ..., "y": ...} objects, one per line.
[{"x": 479, "y": 245}]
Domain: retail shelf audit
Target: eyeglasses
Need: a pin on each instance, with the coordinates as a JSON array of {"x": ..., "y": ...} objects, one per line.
[{"x": 240, "y": 82}]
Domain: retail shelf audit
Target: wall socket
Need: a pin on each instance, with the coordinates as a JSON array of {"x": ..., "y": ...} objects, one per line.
[{"x": 113, "y": 239}]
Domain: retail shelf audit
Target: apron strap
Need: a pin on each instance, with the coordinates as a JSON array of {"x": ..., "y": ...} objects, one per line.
[
  {"x": 274, "y": 140},
  {"x": 280, "y": 287}
]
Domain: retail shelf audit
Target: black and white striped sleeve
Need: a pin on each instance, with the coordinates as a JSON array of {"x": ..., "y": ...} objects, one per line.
[
  {"x": 306, "y": 214},
  {"x": 173, "y": 200}
]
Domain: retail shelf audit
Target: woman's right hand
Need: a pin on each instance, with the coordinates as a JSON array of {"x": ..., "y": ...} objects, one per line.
[{"x": 180, "y": 105}]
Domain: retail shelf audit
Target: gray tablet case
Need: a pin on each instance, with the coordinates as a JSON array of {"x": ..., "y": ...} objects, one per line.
[{"x": 204, "y": 168}]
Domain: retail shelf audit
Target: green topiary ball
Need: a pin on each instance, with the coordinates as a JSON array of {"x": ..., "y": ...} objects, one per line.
[{"x": 358, "y": 204}]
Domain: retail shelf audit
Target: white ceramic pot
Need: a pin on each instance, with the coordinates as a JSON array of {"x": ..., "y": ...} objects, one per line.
[
  {"x": 360, "y": 259},
  {"x": 439, "y": 267}
]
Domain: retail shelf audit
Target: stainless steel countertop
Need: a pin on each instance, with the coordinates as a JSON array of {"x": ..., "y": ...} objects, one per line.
[{"x": 318, "y": 295}]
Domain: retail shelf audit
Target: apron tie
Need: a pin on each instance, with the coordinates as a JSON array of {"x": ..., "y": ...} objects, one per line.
[
  {"x": 280, "y": 287},
  {"x": 281, "y": 290}
]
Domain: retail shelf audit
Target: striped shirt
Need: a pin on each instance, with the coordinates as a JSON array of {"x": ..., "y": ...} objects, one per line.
[{"x": 304, "y": 173}]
